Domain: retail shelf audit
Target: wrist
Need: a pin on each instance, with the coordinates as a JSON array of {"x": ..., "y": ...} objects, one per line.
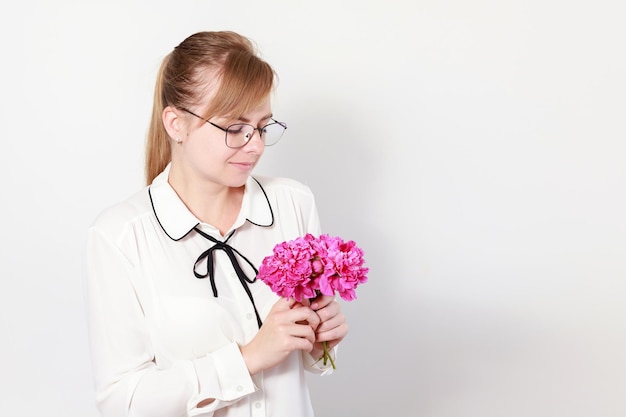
[{"x": 249, "y": 358}]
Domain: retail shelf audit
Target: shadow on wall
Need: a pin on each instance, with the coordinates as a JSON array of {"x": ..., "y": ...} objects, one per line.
[
  {"x": 329, "y": 149},
  {"x": 337, "y": 150},
  {"x": 429, "y": 358},
  {"x": 410, "y": 352}
]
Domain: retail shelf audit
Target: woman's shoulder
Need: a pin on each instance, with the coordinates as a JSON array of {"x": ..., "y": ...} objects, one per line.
[
  {"x": 292, "y": 203},
  {"x": 282, "y": 184},
  {"x": 119, "y": 215}
]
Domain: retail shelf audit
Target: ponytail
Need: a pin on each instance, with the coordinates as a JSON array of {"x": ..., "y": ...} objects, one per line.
[{"x": 158, "y": 148}]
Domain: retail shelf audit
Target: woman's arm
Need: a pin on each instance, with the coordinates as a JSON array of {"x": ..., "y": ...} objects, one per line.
[{"x": 128, "y": 382}]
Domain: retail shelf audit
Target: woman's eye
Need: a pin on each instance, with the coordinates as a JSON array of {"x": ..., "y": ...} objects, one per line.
[{"x": 235, "y": 130}]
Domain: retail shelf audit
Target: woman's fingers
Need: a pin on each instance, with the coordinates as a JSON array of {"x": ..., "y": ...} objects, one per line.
[
  {"x": 333, "y": 326},
  {"x": 304, "y": 315},
  {"x": 289, "y": 326},
  {"x": 322, "y": 301}
]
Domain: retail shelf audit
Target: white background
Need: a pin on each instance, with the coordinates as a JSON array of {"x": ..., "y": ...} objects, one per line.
[{"x": 474, "y": 149}]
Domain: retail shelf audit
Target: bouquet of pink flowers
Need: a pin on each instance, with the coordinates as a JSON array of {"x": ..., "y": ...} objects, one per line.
[{"x": 308, "y": 266}]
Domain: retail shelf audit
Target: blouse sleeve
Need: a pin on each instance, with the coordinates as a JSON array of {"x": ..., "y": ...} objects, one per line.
[
  {"x": 127, "y": 379},
  {"x": 313, "y": 225}
]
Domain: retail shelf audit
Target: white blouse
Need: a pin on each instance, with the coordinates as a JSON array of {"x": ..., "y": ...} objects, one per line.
[{"x": 161, "y": 342}]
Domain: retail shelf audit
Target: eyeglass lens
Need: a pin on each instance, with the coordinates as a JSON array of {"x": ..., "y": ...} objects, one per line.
[{"x": 238, "y": 135}]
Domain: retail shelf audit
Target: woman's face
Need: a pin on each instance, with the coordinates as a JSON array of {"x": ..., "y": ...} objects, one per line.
[{"x": 204, "y": 152}]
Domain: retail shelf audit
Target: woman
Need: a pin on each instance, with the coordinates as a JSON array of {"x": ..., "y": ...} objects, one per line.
[{"x": 178, "y": 324}]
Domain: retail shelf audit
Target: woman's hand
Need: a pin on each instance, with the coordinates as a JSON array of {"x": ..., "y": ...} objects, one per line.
[
  {"x": 332, "y": 327},
  {"x": 289, "y": 326}
]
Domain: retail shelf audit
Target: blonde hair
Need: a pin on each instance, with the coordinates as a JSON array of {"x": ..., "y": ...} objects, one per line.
[{"x": 221, "y": 65}]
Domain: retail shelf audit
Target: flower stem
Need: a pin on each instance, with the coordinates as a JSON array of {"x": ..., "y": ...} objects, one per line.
[{"x": 327, "y": 356}]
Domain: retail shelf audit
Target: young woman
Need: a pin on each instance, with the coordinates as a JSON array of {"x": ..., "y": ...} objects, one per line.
[{"x": 178, "y": 324}]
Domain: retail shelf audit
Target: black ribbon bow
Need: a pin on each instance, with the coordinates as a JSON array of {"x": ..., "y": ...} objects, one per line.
[{"x": 232, "y": 255}]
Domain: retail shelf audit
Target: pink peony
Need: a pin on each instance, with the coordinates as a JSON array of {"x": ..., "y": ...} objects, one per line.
[{"x": 307, "y": 266}]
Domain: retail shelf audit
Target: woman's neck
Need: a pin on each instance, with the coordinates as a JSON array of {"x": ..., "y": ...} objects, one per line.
[{"x": 214, "y": 204}]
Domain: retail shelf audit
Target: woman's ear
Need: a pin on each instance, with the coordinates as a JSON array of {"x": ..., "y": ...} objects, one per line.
[{"x": 173, "y": 123}]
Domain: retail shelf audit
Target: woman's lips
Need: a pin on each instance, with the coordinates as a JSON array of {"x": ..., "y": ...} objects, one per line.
[{"x": 244, "y": 166}]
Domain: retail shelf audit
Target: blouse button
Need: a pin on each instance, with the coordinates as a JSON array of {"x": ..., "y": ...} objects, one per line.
[
  {"x": 249, "y": 316},
  {"x": 257, "y": 405}
]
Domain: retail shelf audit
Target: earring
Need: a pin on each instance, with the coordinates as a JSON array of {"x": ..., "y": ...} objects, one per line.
[{"x": 179, "y": 140}]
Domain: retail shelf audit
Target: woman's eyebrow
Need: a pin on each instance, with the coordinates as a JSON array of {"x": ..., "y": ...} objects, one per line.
[{"x": 246, "y": 120}]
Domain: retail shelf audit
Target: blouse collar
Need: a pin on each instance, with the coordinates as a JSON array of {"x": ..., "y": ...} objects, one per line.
[{"x": 177, "y": 221}]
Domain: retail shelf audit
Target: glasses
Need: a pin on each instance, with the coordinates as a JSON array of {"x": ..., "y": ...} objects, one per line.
[{"x": 239, "y": 134}]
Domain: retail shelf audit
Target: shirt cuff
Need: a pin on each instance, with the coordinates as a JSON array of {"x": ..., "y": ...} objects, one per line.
[
  {"x": 222, "y": 375},
  {"x": 317, "y": 366}
]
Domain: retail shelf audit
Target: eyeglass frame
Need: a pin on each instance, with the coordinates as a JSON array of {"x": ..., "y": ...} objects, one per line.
[{"x": 225, "y": 130}]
